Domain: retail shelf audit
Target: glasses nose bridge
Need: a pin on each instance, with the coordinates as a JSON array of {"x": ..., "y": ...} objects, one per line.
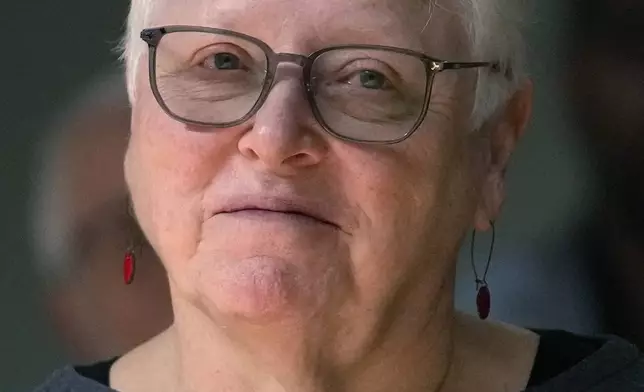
[
  {"x": 293, "y": 58},
  {"x": 297, "y": 59}
]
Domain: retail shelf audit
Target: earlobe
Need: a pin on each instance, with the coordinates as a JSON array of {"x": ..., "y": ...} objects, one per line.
[{"x": 481, "y": 222}]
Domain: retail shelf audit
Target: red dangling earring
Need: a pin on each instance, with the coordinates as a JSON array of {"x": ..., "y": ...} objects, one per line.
[
  {"x": 483, "y": 297},
  {"x": 129, "y": 266},
  {"x": 135, "y": 248}
]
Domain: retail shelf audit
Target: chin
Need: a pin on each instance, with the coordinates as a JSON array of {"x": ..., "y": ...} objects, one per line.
[
  {"x": 261, "y": 289},
  {"x": 268, "y": 276}
]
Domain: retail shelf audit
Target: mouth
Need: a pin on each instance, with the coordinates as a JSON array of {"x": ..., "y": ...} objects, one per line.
[{"x": 284, "y": 209}]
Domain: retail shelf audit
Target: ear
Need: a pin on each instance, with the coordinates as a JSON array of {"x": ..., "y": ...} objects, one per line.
[{"x": 502, "y": 133}]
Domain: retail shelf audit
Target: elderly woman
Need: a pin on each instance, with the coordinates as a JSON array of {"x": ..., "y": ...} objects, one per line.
[{"x": 307, "y": 171}]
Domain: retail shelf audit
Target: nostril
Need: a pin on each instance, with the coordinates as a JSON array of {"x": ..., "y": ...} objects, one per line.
[
  {"x": 250, "y": 153},
  {"x": 301, "y": 156},
  {"x": 302, "y": 159}
]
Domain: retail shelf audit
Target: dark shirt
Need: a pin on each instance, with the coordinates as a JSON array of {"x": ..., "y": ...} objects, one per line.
[{"x": 564, "y": 363}]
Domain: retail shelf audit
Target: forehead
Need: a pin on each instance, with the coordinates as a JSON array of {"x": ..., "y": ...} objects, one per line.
[{"x": 307, "y": 25}]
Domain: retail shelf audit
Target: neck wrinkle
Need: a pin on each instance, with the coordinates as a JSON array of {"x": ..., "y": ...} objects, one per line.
[{"x": 413, "y": 356}]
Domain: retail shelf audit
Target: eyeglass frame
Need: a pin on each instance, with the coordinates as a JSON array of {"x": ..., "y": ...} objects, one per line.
[{"x": 152, "y": 37}]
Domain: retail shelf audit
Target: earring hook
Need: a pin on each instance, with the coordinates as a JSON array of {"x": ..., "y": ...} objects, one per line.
[{"x": 483, "y": 297}]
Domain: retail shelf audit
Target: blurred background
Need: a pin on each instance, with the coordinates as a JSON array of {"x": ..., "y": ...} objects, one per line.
[
  {"x": 51, "y": 49},
  {"x": 571, "y": 219}
]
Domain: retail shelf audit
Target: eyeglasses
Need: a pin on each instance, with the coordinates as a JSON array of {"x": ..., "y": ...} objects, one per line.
[{"x": 361, "y": 93}]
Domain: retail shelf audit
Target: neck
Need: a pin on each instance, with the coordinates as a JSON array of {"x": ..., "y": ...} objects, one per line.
[
  {"x": 288, "y": 357},
  {"x": 465, "y": 354},
  {"x": 416, "y": 349}
]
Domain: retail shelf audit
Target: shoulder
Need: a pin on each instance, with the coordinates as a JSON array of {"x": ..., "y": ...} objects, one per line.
[
  {"x": 616, "y": 365},
  {"x": 68, "y": 379},
  {"x": 620, "y": 366},
  {"x": 630, "y": 378}
]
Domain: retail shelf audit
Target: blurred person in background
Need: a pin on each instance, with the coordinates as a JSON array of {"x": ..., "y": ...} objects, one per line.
[
  {"x": 81, "y": 226},
  {"x": 606, "y": 76}
]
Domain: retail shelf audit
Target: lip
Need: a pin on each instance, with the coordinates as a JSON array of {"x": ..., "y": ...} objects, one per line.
[{"x": 295, "y": 206}]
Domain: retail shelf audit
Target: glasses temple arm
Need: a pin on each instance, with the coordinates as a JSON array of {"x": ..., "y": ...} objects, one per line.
[{"x": 448, "y": 65}]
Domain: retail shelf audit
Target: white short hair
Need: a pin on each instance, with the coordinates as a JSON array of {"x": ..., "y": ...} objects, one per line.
[
  {"x": 50, "y": 223},
  {"x": 494, "y": 29},
  {"x": 132, "y": 46}
]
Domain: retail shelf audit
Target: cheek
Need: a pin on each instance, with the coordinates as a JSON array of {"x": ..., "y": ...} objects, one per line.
[
  {"x": 414, "y": 200},
  {"x": 168, "y": 168},
  {"x": 394, "y": 186},
  {"x": 391, "y": 194}
]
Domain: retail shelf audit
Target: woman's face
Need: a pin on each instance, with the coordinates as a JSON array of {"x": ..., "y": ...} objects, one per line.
[{"x": 384, "y": 222}]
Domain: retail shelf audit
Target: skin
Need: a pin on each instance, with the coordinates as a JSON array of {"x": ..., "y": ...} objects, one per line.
[
  {"x": 266, "y": 302},
  {"x": 95, "y": 315}
]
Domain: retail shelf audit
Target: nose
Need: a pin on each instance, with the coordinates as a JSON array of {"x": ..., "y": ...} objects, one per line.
[{"x": 283, "y": 138}]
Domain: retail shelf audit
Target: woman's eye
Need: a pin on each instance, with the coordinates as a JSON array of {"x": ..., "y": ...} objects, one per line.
[
  {"x": 372, "y": 80},
  {"x": 223, "y": 61}
]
